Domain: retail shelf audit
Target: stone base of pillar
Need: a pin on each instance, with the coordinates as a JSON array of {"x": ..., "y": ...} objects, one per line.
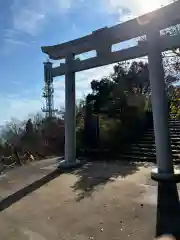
[
  {"x": 166, "y": 177},
  {"x": 63, "y": 164}
]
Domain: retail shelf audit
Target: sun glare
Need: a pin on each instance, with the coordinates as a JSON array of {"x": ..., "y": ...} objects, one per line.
[{"x": 148, "y": 6}]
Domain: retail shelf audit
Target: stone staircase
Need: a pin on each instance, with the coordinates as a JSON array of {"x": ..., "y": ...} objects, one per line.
[{"x": 144, "y": 150}]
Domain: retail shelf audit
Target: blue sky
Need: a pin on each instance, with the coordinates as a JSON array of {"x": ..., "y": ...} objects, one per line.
[{"x": 26, "y": 25}]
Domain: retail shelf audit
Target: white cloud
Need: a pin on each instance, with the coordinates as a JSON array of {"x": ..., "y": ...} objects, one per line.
[
  {"x": 28, "y": 21},
  {"x": 59, "y": 92},
  {"x": 10, "y": 33},
  {"x": 12, "y": 39},
  {"x": 29, "y": 16},
  {"x": 15, "y": 107},
  {"x": 11, "y": 44},
  {"x": 16, "y": 42},
  {"x": 132, "y": 8},
  {"x": 15, "y": 82}
]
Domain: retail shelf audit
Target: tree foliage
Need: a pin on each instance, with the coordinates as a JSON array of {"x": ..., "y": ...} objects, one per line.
[
  {"x": 110, "y": 94},
  {"x": 38, "y": 135},
  {"x": 174, "y": 94},
  {"x": 112, "y": 107}
]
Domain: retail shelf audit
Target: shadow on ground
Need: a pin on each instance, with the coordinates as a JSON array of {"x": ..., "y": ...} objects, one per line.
[
  {"x": 168, "y": 210},
  {"x": 97, "y": 174},
  {"x": 15, "y": 197},
  {"x": 90, "y": 176}
]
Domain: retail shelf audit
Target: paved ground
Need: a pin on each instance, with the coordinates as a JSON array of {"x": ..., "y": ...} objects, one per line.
[{"x": 98, "y": 201}]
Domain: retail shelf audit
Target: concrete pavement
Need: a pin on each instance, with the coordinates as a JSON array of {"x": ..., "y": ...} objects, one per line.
[{"x": 97, "y": 201}]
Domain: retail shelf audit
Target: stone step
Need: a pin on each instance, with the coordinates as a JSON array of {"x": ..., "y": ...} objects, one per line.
[
  {"x": 174, "y": 125},
  {"x": 172, "y": 136},
  {"x": 142, "y": 144},
  {"x": 138, "y": 158},
  {"x": 171, "y": 127},
  {"x": 145, "y": 149},
  {"x": 175, "y": 149},
  {"x": 173, "y": 120},
  {"x": 175, "y": 141},
  {"x": 149, "y": 150},
  {"x": 142, "y": 154},
  {"x": 175, "y": 129},
  {"x": 151, "y": 137},
  {"x": 171, "y": 130},
  {"x": 152, "y": 141},
  {"x": 152, "y": 149},
  {"x": 144, "y": 158},
  {"x": 176, "y": 155},
  {"x": 147, "y": 141},
  {"x": 149, "y": 132},
  {"x": 174, "y": 132}
]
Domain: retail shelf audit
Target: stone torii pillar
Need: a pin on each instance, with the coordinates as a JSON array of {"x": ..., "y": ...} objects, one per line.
[
  {"x": 165, "y": 169},
  {"x": 70, "y": 116}
]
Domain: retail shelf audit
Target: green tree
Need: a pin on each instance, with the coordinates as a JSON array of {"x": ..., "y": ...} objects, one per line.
[
  {"x": 110, "y": 94},
  {"x": 108, "y": 104}
]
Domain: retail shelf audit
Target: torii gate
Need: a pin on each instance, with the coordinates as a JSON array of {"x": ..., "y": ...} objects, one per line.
[{"x": 101, "y": 41}]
